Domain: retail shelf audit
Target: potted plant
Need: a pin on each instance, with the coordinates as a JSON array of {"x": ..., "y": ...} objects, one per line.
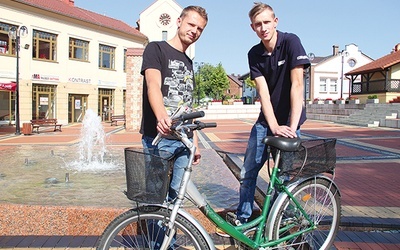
[
  {"x": 328, "y": 101},
  {"x": 354, "y": 100},
  {"x": 372, "y": 99},
  {"x": 318, "y": 101},
  {"x": 340, "y": 101},
  {"x": 216, "y": 102},
  {"x": 237, "y": 102}
]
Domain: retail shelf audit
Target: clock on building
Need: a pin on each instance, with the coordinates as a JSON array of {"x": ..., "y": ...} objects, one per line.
[
  {"x": 164, "y": 19},
  {"x": 352, "y": 62}
]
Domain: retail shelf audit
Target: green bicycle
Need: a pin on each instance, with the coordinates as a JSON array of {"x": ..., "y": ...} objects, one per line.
[{"x": 301, "y": 209}]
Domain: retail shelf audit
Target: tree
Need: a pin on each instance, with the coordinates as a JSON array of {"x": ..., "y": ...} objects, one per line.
[
  {"x": 250, "y": 82},
  {"x": 212, "y": 82}
]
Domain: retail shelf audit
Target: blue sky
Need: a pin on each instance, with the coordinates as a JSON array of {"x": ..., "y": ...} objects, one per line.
[{"x": 371, "y": 25}]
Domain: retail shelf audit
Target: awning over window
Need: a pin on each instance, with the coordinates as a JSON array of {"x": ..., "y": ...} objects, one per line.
[{"x": 8, "y": 86}]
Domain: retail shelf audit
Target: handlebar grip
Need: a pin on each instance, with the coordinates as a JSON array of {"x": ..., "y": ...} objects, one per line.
[
  {"x": 210, "y": 125},
  {"x": 201, "y": 125},
  {"x": 193, "y": 115}
]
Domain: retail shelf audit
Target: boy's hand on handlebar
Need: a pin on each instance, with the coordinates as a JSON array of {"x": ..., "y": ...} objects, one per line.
[{"x": 163, "y": 126}]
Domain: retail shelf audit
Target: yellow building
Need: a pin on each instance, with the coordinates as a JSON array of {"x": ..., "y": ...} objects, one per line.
[{"x": 70, "y": 60}]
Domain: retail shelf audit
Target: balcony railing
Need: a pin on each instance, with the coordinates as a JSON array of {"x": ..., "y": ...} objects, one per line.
[{"x": 378, "y": 86}]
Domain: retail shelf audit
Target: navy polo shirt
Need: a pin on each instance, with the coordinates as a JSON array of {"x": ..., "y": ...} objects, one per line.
[{"x": 275, "y": 67}]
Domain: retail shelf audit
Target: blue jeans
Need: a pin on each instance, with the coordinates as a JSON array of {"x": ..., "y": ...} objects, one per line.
[
  {"x": 177, "y": 149},
  {"x": 254, "y": 160}
]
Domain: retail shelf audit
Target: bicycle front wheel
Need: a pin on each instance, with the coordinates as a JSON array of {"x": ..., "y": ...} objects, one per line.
[
  {"x": 321, "y": 201},
  {"x": 144, "y": 228}
]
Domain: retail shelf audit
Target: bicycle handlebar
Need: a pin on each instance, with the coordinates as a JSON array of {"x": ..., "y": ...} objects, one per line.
[
  {"x": 178, "y": 124},
  {"x": 193, "y": 115}
]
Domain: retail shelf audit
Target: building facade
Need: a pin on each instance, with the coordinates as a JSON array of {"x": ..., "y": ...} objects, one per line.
[
  {"x": 158, "y": 22},
  {"x": 69, "y": 61},
  {"x": 325, "y": 79},
  {"x": 379, "y": 79}
]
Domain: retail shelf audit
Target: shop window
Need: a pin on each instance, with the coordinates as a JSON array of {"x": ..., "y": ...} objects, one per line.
[
  {"x": 7, "y": 46},
  {"x": 44, "y": 46},
  {"x": 106, "y": 57},
  {"x": 78, "y": 49}
]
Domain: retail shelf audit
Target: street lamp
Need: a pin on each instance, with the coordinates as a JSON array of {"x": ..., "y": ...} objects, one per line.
[
  {"x": 198, "y": 65},
  {"x": 311, "y": 57},
  {"x": 15, "y": 34},
  {"x": 343, "y": 54}
]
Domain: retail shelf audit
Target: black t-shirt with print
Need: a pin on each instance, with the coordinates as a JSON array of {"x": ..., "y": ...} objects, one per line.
[{"x": 177, "y": 81}]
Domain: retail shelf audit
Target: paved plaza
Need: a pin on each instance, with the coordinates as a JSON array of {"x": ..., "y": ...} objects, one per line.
[{"x": 367, "y": 173}]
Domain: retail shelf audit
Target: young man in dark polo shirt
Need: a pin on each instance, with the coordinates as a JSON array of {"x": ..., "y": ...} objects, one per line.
[{"x": 276, "y": 65}]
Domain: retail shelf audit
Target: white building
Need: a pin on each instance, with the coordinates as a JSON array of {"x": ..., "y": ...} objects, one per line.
[
  {"x": 327, "y": 73},
  {"x": 158, "y": 22},
  {"x": 70, "y": 60}
]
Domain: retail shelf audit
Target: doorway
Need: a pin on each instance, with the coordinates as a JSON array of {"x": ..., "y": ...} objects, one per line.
[
  {"x": 43, "y": 101},
  {"x": 105, "y": 104},
  {"x": 77, "y": 106}
]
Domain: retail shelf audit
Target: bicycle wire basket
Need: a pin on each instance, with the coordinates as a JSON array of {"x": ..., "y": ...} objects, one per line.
[
  {"x": 317, "y": 156},
  {"x": 148, "y": 175}
]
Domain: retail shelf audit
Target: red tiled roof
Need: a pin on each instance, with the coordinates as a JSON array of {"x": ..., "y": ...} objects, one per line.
[
  {"x": 63, "y": 8},
  {"x": 235, "y": 80},
  {"x": 378, "y": 65},
  {"x": 135, "y": 52}
]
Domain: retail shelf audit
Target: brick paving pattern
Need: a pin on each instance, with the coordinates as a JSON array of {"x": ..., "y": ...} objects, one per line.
[{"x": 367, "y": 174}]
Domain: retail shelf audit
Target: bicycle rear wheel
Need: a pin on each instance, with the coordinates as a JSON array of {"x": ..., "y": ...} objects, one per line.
[
  {"x": 144, "y": 228},
  {"x": 321, "y": 201}
]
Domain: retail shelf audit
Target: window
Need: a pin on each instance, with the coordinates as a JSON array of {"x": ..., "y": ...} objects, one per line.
[
  {"x": 106, "y": 57},
  {"x": 7, "y": 45},
  {"x": 44, "y": 46},
  {"x": 124, "y": 66},
  {"x": 78, "y": 49},
  {"x": 333, "y": 85},
  {"x": 322, "y": 85},
  {"x": 164, "y": 36}
]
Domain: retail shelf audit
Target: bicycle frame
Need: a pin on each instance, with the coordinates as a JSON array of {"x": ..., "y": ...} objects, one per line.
[{"x": 263, "y": 234}]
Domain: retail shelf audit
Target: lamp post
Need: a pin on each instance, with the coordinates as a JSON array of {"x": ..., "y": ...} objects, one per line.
[
  {"x": 311, "y": 57},
  {"x": 15, "y": 34},
  {"x": 198, "y": 65},
  {"x": 343, "y": 54}
]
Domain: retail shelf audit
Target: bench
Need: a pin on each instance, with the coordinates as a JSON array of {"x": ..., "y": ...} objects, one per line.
[
  {"x": 37, "y": 123},
  {"x": 117, "y": 118}
]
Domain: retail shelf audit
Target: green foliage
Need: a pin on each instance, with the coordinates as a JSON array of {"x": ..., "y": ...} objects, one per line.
[
  {"x": 211, "y": 81},
  {"x": 250, "y": 82},
  {"x": 372, "y": 97}
]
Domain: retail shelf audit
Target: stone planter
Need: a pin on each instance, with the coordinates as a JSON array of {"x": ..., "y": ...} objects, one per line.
[
  {"x": 340, "y": 101},
  {"x": 237, "y": 103},
  {"x": 215, "y": 103},
  {"x": 318, "y": 102},
  {"x": 328, "y": 102},
  {"x": 354, "y": 101},
  {"x": 372, "y": 100}
]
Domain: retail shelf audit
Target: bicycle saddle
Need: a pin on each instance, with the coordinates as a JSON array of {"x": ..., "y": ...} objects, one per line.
[{"x": 283, "y": 143}]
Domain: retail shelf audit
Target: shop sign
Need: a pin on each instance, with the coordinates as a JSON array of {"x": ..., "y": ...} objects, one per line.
[
  {"x": 107, "y": 83},
  {"x": 79, "y": 80},
  {"x": 49, "y": 78}
]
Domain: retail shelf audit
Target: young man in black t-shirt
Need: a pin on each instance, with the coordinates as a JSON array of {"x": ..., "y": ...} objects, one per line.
[{"x": 169, "y": 83}]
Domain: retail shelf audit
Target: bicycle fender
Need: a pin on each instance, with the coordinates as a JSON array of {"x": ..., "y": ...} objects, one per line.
[
  {"x": 192, "y": 220},
  {"x": 282, "y": 197}
]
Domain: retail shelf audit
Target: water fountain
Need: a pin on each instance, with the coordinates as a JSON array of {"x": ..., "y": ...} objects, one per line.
[
  {"x": 77, "y": 187},
  {"x": 92, "y": 147}
]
